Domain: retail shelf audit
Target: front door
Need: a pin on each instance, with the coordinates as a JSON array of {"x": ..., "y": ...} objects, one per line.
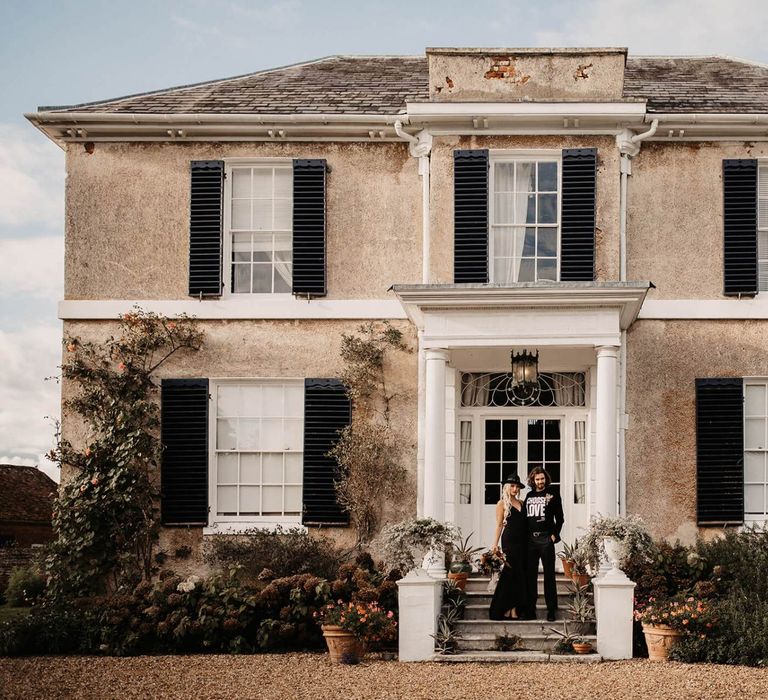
[{"x": 509, "y": 443}]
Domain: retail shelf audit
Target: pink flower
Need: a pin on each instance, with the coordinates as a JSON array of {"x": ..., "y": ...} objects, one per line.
[
  {"x": 390, "y": 614},
  {"x": 95, "y": 481},
  {"x": 121, "y": 366}
]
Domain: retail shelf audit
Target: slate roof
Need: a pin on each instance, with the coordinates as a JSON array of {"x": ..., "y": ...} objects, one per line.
[
  {"x": 26, "y": 494},
  {"x": 383, "y": 84}
]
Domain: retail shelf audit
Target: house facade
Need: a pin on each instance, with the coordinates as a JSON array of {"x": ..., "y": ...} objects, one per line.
[{"x": 597, "y": 219}]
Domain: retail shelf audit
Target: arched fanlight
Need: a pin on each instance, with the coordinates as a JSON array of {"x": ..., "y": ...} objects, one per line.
[{"x": 525, "y": 369}]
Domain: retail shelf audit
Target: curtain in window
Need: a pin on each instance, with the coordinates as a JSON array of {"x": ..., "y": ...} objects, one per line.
[
  {"x": 568, "y": 389},
  {"x": 465, "y": 462},
  {"x": 474, "y": 391},
  {"x": 579, "y": 462}
]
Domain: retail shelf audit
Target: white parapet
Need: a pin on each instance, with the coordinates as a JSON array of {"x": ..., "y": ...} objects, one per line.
[
  {"x": 614, "y": 594},
  {"x": 419, "y": 599}
]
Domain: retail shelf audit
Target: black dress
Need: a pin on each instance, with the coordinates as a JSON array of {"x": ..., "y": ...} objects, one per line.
[{"x": 511, "y": 589}]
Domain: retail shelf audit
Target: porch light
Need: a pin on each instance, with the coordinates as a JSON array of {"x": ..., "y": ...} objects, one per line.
[{"x": 525, "y": 369}]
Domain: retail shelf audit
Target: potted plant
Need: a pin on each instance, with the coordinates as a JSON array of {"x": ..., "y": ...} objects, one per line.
[
  {"x": 581, "y": 645},
  {"x": 581, "y": 609},
  {"x": 407, "y": 543},
  {"x": 446, "y": 637},
  {"x": 665, "y": 622},
  {"x": 566, "y": 557},
  {"x": 616, "y": 540},
  {"x": 580, "y": 567},
  {"x": 349, "y": 627},
  {"x": 461, "y": 554},
  {"x": 564, "y": 645}
]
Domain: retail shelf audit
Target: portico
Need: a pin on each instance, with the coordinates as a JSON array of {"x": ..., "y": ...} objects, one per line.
[{"x": 474, "y": 431}]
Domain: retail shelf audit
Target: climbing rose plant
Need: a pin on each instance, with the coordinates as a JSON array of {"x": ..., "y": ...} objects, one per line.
[{"x": 105, "y": 516}]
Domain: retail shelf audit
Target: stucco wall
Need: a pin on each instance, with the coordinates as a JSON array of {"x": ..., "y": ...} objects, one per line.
[
  {"x": 127, "y": 221},
  {"x": 297, "y": 349},
  {"x": 675, "y": 217},
  {"x": 664, "y": 358},
  {"x": 441, "y": 201}
]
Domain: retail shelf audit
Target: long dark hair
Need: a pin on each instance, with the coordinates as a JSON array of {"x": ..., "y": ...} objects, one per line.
[{"x": 534, "y": 472}]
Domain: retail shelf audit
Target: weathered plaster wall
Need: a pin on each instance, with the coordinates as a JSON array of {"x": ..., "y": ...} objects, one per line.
[
  {"x": 441, "y": 201},
  {"x": 254, "y": 349},
  {"x": 675, "y": 217},
  {"x": 664, "y": 358},
  {"x": 127, "y": 216},
  {"x": 477, "y": 75}
]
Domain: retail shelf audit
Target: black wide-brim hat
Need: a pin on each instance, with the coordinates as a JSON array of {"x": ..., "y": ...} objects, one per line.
[{"x": 514, "y": 479}]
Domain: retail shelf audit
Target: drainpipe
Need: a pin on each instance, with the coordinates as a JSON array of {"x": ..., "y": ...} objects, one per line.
[
  {"x": 629, "y": 146},
  {"x": 420, "y": 147}
]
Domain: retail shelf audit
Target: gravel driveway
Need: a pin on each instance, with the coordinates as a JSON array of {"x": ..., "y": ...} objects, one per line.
[{"x": 311, "y": 676}]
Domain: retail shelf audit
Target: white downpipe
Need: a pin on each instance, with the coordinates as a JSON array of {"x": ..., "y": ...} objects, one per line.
[{"x": 420, "y": 147}]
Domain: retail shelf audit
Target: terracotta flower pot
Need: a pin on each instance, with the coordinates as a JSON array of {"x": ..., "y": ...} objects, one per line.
[
  {"x": 343, "y": 646},
  {"x": 582, "y": 647},
  {"x": 580, "y": 579},
  {"x": 660, "y": 639},
  {"x": 460, "y": 579},
  {"x": 567, "y": 568}
]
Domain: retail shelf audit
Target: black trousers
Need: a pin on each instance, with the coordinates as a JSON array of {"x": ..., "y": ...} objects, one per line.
[{"x": 541, "y": 548}]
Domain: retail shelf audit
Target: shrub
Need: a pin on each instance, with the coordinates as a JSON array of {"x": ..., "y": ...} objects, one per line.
[
  {"x": 410, "y": 540},
  {"x": 630, "y": 531},
  {"x": 25, "y": 587},
  {"x": 284, "y": 552},
  {"x": 51, "y": 630}
]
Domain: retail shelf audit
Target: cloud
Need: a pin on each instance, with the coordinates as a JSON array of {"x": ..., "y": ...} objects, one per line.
[
  {"x": 32, "y": 267},
  {"x": 29, "y": 402},
  {"x": 665, "y": 27},
  {"x": 31, "y": 179}
]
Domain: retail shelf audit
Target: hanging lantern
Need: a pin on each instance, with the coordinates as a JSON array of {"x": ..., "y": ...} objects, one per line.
[{"x": 525, "y": 369}]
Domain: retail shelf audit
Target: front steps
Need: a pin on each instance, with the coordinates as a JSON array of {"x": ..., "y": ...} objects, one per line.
[{"x": 477, "y": 633}]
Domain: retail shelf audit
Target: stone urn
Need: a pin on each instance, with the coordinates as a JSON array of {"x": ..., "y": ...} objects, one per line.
[
  {"x": 660, "y": 639},
  {"x": 343, "y": 646},
  {"x": 614, "y": 551}
]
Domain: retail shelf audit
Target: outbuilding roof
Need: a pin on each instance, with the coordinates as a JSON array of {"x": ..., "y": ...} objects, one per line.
[
  {"x": 383, "y": 85},
  {"x": 26, "y": 494}
]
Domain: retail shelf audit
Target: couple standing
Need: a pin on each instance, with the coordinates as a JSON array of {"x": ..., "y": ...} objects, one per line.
[{"x": 529, "y": 530}]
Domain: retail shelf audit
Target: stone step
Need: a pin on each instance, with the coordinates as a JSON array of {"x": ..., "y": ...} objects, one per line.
[
  {"x": 479, "y": 611},
  {"x": 478, "y": 598},
  {"x": 522, "y": 628},
  {"x": 487, "y": 642},
  {"x": 480, "y": 585},
  {"x": 511, "y": 657}
]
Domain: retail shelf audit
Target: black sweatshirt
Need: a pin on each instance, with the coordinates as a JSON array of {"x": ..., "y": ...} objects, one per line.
[{"x": 544, "y": 512}]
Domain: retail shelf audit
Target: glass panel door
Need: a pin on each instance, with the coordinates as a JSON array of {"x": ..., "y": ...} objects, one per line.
[
  {"x": 543, "y": 439},
  {"x": 502, "y": 452}
]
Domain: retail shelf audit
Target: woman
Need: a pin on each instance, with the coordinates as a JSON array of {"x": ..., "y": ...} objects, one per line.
[{"x": 510, "y": 597}]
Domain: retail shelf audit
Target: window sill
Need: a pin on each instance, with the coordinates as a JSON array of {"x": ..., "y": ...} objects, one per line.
[{"x": 240, "y": 526}]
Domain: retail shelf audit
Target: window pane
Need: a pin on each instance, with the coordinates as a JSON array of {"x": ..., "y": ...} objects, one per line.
[
  {"x": 492, "y": 451},
  {"x": 249, "y": 500},
  {"x": 492, "y": 494},
  {"x": 547, "y": 243},
  {"x": 535, "y": 429},
  {"x": 241, "y": 247},
  {"x": 272, "y": 400},
  {"x": 241, "y": 182},
  {"x": 492, "y": 472},
  {"x": 754, "y": 435},
  {"x": 292, "y": 499},
  {"x": 272, "y": 468},
  {"x": 241, "y": 214},
  {"x": 283, "y": 213},
  {"x": 504, "y": 177},
  {"x": 250, "y": 469},
  {"x": 493, "y": 429},
  {"x": 294, "y": 400},
  {"x": 242, "y": 278},
  {"x": 504, "y": 209},
  {"x": 546, "y": 269},
  {"x": 547, "y": 177},
  {"x": 552, "y": 429},
  {"x": 262, "y": 278},
  {"x": 754, "y": 499},
  {"x": 527, "y": 270},
  {"x": 248, "y": 439},
  {"x": 262, "y": 182},
  {"x": 755, "y": 399},
  {"x": 227, "y": 401},
  {"x": 227, "y": 469},
  {"x": 284, "y": 182},
  {"x": 283, "y": 247},
  {"x": 272, "y": 503},
  {"x": 547, "y": 208},
  {"x": 526, "y": 177},
  {"x": 293, "y": 434},
  {"x": 262, "y": 215},
  {"x": 272, "y": 436},
  {"x": 510, "y": 429},
  {"x": 504, "y": 271},
  {"x": 530, "y": 213},
  {"x": 293, "y": 468},
  {"x": 250, "y": 400},
  {"x": 226, "y": 436},
  {"x": 262, "y": 247},
  {"x": 283, "y": 278},
  {"x": 754, "y": 467},
  {"x": 529, "y": 244},
  {"x": 226, "y": 500}
]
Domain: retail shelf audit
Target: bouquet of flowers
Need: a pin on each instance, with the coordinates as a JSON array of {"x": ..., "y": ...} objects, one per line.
[
  {"x": 367, "y": 621},
  {"x": 681, "y": 613},
  {"x": 491, "y": 562}
]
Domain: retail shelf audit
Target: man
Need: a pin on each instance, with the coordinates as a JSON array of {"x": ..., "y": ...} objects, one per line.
[{"x": 544, "y": 516}]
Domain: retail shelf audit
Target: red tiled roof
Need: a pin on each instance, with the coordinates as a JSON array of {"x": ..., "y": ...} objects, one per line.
[{"x": 26, "y": 494}]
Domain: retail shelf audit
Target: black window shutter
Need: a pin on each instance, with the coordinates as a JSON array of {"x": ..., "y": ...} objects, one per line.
[
  {"x": 740, "y": 227},
  {"x": 470, "y": 212},
  {"x": 577, "y": 224},
  {"x": 309, "y": 180},
  {"x": 719, "y": 451},
  {"x": 205, "y": 227},
  {"x": 327, "y": 409},
  {"x": 184, "y": 434}
]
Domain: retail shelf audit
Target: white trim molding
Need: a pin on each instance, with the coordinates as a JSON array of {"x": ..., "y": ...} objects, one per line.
[
  {"x": 249, "y": 307},
  {"x": 705, "y": 309}
]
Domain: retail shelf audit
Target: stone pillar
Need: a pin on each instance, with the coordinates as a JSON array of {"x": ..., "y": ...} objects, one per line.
[
  {"x": 606, "y": 476},
  {"x": 419, "y": 599},
  {"x": 434, "y": 447},
  {"x": 614, "y": 594}
]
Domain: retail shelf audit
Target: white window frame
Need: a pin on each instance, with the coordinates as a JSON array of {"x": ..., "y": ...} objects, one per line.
[
  {"x": 218, "y": 523},
  {"x": 229, "y": 164},
  {"x": 756, "y": 519},
  {"x": 507, "y": 156},
  {"x": 762, "y": 223}
]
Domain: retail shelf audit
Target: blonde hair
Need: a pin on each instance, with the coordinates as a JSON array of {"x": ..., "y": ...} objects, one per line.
[{"x": 506, "y": 497}]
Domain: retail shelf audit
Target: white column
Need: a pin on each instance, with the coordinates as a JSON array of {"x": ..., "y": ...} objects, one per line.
[
  {"x": 614, "y": 594},
  {"x": 420, "y": 597},
  {"x": 434, "y": 434},
  {"x": 607, "y": 456}
]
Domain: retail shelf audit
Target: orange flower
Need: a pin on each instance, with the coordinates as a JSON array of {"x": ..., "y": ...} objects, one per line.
[
  {"x": 95, "y": 481},
  {"x": 171, "y": 325},
  {"x": 121, "y": 366},
  {"x": 87, "y": 451},
  {"x": 70, "y": 347}
]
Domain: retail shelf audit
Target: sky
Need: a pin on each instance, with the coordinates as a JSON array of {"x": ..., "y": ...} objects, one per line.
[{"x": 73, "y": 51}]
